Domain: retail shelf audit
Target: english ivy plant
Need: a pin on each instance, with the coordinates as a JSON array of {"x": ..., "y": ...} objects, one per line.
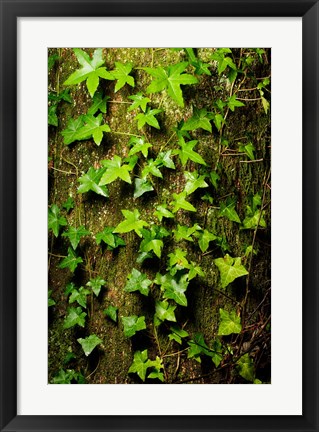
[{"x": 230, "y": 269}]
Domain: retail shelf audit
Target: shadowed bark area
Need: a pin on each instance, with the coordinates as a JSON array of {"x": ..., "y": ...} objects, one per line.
[{"x": 241, "y": 177}]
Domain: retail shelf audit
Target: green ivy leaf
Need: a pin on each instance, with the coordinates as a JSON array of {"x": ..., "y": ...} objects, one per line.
[
  {"x": 171, "y": 79},
  {"x": 218, "y": 121},
  {"x": 227, "y": 209},
  {"x": 142, "y": 185},
  {"x": 248, "y": 149},
  {"x": 51, "y": 60},
  {"x": 139, "y": 145},
  {"x": 55, "y": 221},
  {"x": 68, "y": 204},
  {"x": 180, "y": 202},
  {"x": 148, "y": 118},
  {"x": 75, "y": 235},
  {"x": 162, "y": 211},
  {"x": 223, "y": 61},
  {"x": 164, "y": 159},
  {"x": 66, "y": 377},
  {"x": 214, "y": 178},
  {"x": 232, "y": 103},
  {"x": 51, "y": 302},
  {"x": 229, "y": 323},
  {"x": 115, "y": 170},
  {"x": 185, "y": 233},
  {"x": 198, "y": 347},
  {"x": 152, "y": 240},
  {"x": 132, "y": 222},
  {"x": 133, "y": 324},
  {"x": 157, "y": 365},
  {"x": 230, "y": 269},
  {"x": 246, "y": 368},
  {"x": 52, "y": 116},
  {"x": 201, "y": 67},
  {"x": 194, "y": 182},
  {"x": 91, "y": 70},
  {"x": 164, "y": 312},
  {"x": 177, "y": 334},
  {"x": 186, "y": 152},
  {"x": 96, "y": 285},
  {"x": 122, "y": 74},
  {"x": 89, "y": 343},
  {"x": 90, "y": 182},
  {"x": 109, "y": 238},
  {"x": 178, "y": 259},
  {"x": 75, "y": 317},
  {"x": 79, "y": 296},
  {"x": 111, "y": 312},
  {"x": 70, "y": 133},
  {"x": 151, "y": 168},
  {"x": 98, "y": 104},
  {"x": 204, "y": 238},
  {"x": 58, "y": 97},
  {"x": 253, "y": 219},
  {"x": 140, "y": 101},
  {"x": 137, "y": 281},
  {"x": 194, "y": 270},
  {"x": 199, "y": 120},
  {"x": 92, "y": 128},
  {"x": 71, "y": 261},
  {"x": 175, "y": 289},
  {"x": 217, "y": 352},
  {"x": 140, "y": 364}
]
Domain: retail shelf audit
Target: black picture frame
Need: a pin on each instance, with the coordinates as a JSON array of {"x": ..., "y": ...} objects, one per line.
[{"x": 10, "y": 10}]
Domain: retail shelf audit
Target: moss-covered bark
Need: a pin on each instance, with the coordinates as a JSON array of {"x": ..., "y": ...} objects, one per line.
[{"x": 240, "y": 178}]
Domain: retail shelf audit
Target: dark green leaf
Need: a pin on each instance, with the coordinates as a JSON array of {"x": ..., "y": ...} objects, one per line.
[
  {"x": 194, "y": 182},
  {"x": 75, "y": 235},
  {"x": 51, "y": 302},
  {"x": 109, "y": 238},
  {"x": 200, "y": 120},
  {"x": 71, "y": 261},
  {"x": 55, "y": 221},
  {"x": 96, "y": 285},
  {"x": 233, "y": 103},
  {"x": 142, "y": 185},
  {"x": 227, "y": 209},
  {"x": 186, "y": 152},
  {"x": 79, "y": 296},
  {"x": 98, "y": 104},
  {"x": 52, "y": 116},
  {"x": 111, "y": 312},
  {"x": 177, "y": 334},
  {"x": 164, "y": 159},
  {"x": 68, "y": 204},
  {"x": 164, "y": 312}
]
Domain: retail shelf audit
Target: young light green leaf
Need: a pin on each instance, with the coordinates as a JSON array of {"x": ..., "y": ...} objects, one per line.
[
  {"x": 185, "y": 233},
  {"x": 140, "y": 364},
  {"x": 233, "y": 102},
  {"x": 111, "y": 312},
  {"x": 79, "y": 296},
  {"x": 230, "y": 269},
  {"x": 75, "y": 235},
  {"x": 55, "y": 221},
  {"x": 229, "y": 323},
  {"x": 142, "y": 185},
  {"x": 179, "y": 202},
  {"x": 152, "y": 240},
  {"x": 151, "y": 168},
  {"x": 194, "y": 182},
  {"x": 204, "y": 238},
  {"x": 186, "y": 152},
  {"x": 223, "y": 61},
  {"x": 75, "y": 317},
  {"x": 194, "y": 270},
  {"x": 137, "y": 281},
  {"x": 133, "y": 324},
  {"x": 157, "y": 365},
  {"x": 132, "y": 222},
  {"x": 162, "y": 211},
  {"x": 248, "y": 149},
  {"x": 148, "y": 118},
  {"x": 92, "y": 128},
  {"x": 96, "y": 285},
  {"x": 139, "y": 101},
  {"x": 91, "y": 70},
  {"x": 138, "y": 145},
  {"x": 178, "y": 259},
  {"x": 164, "y": 159},
  {"x": 246, "y": 367},
  {"x": 89, "y": 343},
  {"x": 254, "y": 219},
  {"x": 164, "y": 312},
  {"x": 218, "y": 121},
  {"x": 227, "y": 209},
  {"x": 115, "y": 170},
  {"x": 71, "y": 261},
  {"x": 70, "y": 133},
  {"x": 170, "y": 78},
  {"x": 199, "y": 120},
  {"x": 122, "y": 74},
  {"x": 90, "y": 182}
]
